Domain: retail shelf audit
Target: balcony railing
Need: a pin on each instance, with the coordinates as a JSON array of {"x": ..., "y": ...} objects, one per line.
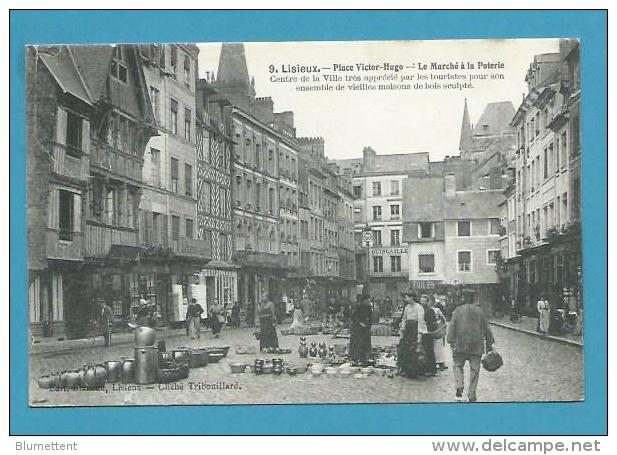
[
  {"x": 98, "y": 239},
  {"x": 191, "y": 248},
  {"x": 259, "y": 259},
  {"x": 105, "y": 157},
  {"x": 63, "y": 245},
  {"x": 67, "y": 165}
]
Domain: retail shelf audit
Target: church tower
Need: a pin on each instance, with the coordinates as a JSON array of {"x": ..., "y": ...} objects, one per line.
[
  {"x": 233, "y": 77},
  {"x": 466, "y": 133}
]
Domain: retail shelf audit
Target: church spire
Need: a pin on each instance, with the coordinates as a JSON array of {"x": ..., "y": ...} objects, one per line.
[
  {"x": 233, "y": 75},
  {"x": 466, "y": 135}
]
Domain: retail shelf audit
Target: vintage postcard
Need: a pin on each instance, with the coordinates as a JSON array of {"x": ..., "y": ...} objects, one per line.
[{"x": 304, "y": 222}]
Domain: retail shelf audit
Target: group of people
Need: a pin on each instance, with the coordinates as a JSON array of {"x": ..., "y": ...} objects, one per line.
[
  {"x": 193, "y": 318},
  {"x": 554, "y": 316},
  {"x": 423, "y": 336}
]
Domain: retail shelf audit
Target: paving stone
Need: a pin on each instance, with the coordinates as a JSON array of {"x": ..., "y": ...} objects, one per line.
[{"x": 534, "y": 370}]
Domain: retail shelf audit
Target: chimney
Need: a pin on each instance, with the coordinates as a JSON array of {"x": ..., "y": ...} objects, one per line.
[
  {"x": 286, "y": 117},
  {"x": 263, "y": 109},
  {"x": 450, "y": 184},
  {"x": 368, "y": 156}
]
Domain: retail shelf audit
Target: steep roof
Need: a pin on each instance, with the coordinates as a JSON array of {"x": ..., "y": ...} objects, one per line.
[
  {"x": 403, "y": 162},
  {"x": 422, "y": 199},
  {"x": 232, "y": 64},
  {"x": 60, "y": 63},
  {"x": 472, "y": 204},
  {"x": 495, "y": 119},
  {"x": 93, "y": 63},
  {"x": 465, "y": 129}
]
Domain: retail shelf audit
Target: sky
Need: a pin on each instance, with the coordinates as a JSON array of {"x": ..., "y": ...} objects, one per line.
[{"x": 393, "y": 121}]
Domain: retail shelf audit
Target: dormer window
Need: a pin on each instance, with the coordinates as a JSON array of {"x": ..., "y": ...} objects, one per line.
[{"x": 119, "y": 68}]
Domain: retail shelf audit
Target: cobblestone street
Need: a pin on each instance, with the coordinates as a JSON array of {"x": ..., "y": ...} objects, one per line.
[{"x": 534, "y": 370}]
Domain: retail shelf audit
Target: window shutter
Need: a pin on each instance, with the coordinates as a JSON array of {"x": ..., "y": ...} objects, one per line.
[
  {"x": 143, "y": 228},
  {"x": 77, "y": 212},
  {"x": 61, "y": 126},
  {"x": 149, "y": 224},
  {"x": 164, "y": 231},
  {"x": 54, "y": 206}
]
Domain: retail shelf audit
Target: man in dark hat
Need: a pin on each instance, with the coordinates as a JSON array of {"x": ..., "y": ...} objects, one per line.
[
  {"x": 469, "y": 335},
  {"x": 360, "y": 330}
]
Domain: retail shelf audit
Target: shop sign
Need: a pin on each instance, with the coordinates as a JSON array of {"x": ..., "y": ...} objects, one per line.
[{"x": 390, "y": 251}]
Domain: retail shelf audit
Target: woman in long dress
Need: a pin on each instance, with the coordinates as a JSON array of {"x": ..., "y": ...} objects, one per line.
[
  {"x": 267, "y": 320},
  {"x": 408, "y": 349},
  {"x": 544, "y": 315},
  {"x": 439, "y": 338},
  {"x": 360, "y": 332},
  {"x": 193, "y": 319},
  {"x": 214, "y": 318},
  {"x": 298, "y": 318}
]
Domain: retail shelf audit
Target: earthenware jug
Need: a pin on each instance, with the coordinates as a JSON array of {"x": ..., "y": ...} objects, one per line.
[{"x": 303, "y": 349}]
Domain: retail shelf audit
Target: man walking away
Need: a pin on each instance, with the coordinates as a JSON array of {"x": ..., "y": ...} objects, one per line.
[
  {"x": 469, "y": 335},
  {"x": 105, "y": 318}
]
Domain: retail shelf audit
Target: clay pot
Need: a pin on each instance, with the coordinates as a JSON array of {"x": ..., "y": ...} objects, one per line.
[
  {"x": 71, "y": 379},
  {"x": 128, "y": 370},
  {"x": 113, "y": 370},
  {"x": 312, "y": 352},
  {"x": 277, "y": 366},
  {"x": 95, "y": 376},
  {"x": 82, "y": 374},
  {"x": 144, "y": 336},
  {"x": 57, "y": 383},
  {"x": 181, "y": 356},
  {"x": 46, "y": 381},
  {"x": 303, "y": 350},
  {"x": 259, "y": 366},
  {"x": 323, "y": 351}
]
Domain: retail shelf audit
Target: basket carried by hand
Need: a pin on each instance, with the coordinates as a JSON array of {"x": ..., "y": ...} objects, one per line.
[{"x": 492, "y": 361}]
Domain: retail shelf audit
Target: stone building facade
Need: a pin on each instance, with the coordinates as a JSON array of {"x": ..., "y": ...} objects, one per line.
[
  {"x": 378, "y": 207},
  {"x": 174, "y": 250},
  {"x": 214, "y": 199},
  {"x": 89, "y": 120},
  {"x": 546, "y": 256},
  {"x": 453, "y": 237}
]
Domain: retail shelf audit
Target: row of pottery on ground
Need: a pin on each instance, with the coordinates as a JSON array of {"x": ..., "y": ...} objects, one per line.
[
  {"x": 90, "y": 376},
  {"x": 149, "y": 366}
]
